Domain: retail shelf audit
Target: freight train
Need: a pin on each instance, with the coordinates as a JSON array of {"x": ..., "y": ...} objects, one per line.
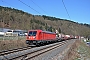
[{"x": 40, "y": 37}]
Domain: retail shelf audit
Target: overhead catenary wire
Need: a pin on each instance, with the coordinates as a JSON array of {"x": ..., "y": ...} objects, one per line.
[
  {"x": 6, "y": 3},
  {"x": 66, "y": 10},
  {"x": 38, "y": 6},
  {"x": 23, "y": 3},
  {"x": 29, "y": 6}
]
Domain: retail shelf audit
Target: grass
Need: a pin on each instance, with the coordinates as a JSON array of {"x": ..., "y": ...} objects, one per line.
[
  {"x": 13, "y": 38},
  {"x": 77, "y": 59},
  {"x": 88, "y": 40},
  {"x": 11, "y": 42},
  {"x": 83, "y": 51}
]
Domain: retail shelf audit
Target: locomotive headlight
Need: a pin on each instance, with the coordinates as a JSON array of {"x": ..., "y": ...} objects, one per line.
[
  {"x": 34, "y": 37},
  {"x": 29, "y": 37}
]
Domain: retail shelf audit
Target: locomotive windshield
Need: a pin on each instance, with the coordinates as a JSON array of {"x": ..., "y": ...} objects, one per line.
[{"x": 32, "y": 33}]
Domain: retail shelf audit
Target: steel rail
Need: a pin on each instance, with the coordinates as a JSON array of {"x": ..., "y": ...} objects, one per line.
[
  {"x": 5, "y": 52},
  {"x": 30, "y": 53},
  {"x": 42, "y": 51}
]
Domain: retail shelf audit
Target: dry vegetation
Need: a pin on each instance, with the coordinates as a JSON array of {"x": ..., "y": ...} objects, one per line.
[
  {"x": 17, "y": 19},
  {"x": 72, "y": 53},
  {"x": 78, "y": 51},
  {"x": 11, "y": 44}
]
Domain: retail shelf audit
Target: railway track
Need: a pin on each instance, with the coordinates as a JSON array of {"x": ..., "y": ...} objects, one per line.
[
  {"x": 6, "y": 52},
  {"x": 28, "y": 53},
  {"x": 42, "y": 51}
]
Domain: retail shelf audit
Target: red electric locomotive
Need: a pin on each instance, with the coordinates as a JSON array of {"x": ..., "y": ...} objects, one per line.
[{"x": 37, "y": 37}]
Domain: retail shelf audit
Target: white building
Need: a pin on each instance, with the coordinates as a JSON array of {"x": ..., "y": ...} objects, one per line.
[{"x": 2, "y": 33}]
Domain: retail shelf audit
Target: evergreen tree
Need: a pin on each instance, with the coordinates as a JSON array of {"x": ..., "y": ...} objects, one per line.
[
  {"x": 46, "y": 27},
  {"x": 59, "y": 30},
  {"x": 50, "y": 28}
]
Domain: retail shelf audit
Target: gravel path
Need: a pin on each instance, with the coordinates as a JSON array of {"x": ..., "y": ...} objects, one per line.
[{"x": 56, "y": 54}]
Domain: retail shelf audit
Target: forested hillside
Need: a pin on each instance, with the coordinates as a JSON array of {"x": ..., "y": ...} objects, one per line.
[{"x": 17, "y": 19}]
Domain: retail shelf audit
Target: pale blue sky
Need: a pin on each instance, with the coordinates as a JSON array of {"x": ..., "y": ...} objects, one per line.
[{"x": 79, "y": 10}]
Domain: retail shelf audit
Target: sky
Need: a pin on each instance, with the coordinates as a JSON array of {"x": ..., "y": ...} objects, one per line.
[{"x": 78, "y": 10}]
